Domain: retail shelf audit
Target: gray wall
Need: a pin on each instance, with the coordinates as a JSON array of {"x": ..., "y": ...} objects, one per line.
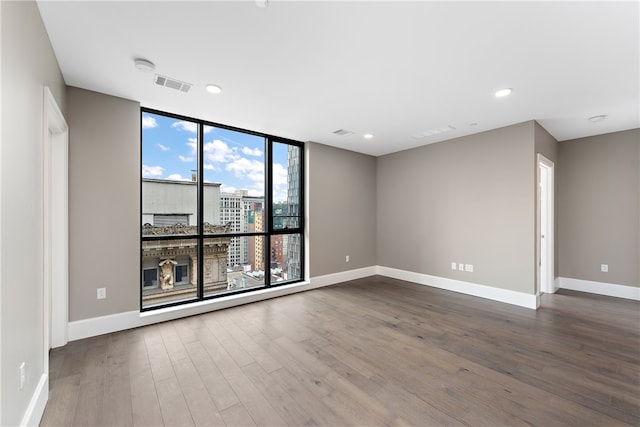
[
  {"x": 598, "y": 208},
  {"x": 342, "y": 209},
  {"x": 28, "y": 64},
  {"x": 467, "y": 200},
  {"x": 104, "y": 203}
]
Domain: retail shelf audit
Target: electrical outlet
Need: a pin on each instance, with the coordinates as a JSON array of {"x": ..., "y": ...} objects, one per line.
[
  {"x": 454, "y": 265},
  {"x": 468, "y": 267},
  {"x": 23, "y": 375},
  {"x": 461, "y": 266},
  {"x": 347, "y": 258},
  {"x": 102, "y": 293},
  {"x": 604, "y": 268}
]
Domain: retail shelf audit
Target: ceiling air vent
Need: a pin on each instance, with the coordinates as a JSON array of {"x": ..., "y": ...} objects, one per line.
[
  {"x": 436, "y": 131},
  {"x": 172, "y": 83},
  {"x": 343, "y": 132}
]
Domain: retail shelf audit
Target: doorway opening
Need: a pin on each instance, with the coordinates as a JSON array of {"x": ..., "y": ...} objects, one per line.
[
  {"x": 55, "y": 226},
  {"x": 545, "y": 222}
]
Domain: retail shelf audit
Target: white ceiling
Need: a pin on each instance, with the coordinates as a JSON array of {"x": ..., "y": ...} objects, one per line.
[{"x": 302, "y": 70}]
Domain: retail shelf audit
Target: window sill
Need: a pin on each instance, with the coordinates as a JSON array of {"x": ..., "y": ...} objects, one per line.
[{"x": 220, "y": 303}]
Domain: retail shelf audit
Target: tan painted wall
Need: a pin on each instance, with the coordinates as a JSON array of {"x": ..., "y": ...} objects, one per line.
[
  {"x": 28, "y": 64},
  {"x": 104, "y": 203},
  {"x": 599, "y": 208},
  {"x": 342, "y": 209},
  {"x": 467, "y": 200}
]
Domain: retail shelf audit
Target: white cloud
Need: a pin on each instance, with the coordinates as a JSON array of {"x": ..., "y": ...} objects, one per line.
[
  {"x": 252, "y": 170},
  {"x": 186, "y": 159},
  {"x": 249, "y": 152},
  {"x": 280, "y": 175},
  {"x": 193, "y": 144},
  {"x": 243, "y": 167},
  {"x": 189, "y": 126},
  {"x": 218, "y": 151},
  {"x": 149, "y": 122},
  {"x": 163, "y": 147},
  {"x": 279, "y": 196},
  {"x": 177, "y": 177},
  {"x": 152, "y": 171},
  {"x": 280, "y": 183},
  {"x": 185, "y": 126}
]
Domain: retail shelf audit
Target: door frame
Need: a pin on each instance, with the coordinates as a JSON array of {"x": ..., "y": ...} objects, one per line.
[
  {"x": 545, "y": 252},
  {"x": 55, "y": 226}
]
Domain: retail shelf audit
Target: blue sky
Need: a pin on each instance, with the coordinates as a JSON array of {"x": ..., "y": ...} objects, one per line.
[{"x": 233, "y": 159}]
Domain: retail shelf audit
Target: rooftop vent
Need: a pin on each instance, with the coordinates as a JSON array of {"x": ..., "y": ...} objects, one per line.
[
  {"x": 172, "y": 83},
  {"x": 343, "y": 132}
]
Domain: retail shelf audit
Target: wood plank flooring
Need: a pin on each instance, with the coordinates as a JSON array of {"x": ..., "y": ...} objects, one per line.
[{"x": 370, "y": 352}]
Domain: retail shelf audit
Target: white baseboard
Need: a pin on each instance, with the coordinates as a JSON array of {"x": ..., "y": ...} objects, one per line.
[
  {"x": 117, "y": 322},
  {"x": 496, "y": 294},
  {"x": 601, "y": 288},
  {"x": 38, "y": 402},
  {"x": 132, "y": 319},
  {"x": 344, "y": 276}
]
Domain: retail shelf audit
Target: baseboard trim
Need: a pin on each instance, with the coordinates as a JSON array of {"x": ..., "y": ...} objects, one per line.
[
  {"x": 496, "y": 294},
  {"x": 35, "y": 410},
  {"x": 132, "y": 319},
  {"x": 344, "y": 276},
  {"x": 600, "y": 288}
]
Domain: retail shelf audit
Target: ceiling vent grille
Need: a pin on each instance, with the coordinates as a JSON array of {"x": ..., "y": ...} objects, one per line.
[
  {"x": 172, "y": 83},
  {"x": 343, "y": 132},
  {"x": 428, "y": 133}
]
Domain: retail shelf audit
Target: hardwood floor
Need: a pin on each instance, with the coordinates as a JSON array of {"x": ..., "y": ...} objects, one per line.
[{"x": 374, "y": 351}]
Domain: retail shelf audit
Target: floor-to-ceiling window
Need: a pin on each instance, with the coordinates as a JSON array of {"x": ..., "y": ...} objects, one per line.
[{"x": 222, "y": 210}]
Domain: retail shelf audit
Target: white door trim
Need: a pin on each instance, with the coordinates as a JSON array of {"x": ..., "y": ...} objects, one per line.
[
  {"x": 55, "y": 226},
  {"x": 545, "y": 284}
]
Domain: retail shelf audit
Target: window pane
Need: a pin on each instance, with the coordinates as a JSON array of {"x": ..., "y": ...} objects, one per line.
[
  {"x": 169, "y": 271},
  {"x": 286, "y": 186},
  {"x": 233, "y": 180},
  {"x": 169, "y": 177},
  {"x": 219, "y": 212},
  {"x": 223, "y": 272},
  {"x": 285, "y": 258}
]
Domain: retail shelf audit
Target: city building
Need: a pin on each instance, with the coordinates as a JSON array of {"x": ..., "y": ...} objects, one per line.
[{"x": 169, "y": 267}]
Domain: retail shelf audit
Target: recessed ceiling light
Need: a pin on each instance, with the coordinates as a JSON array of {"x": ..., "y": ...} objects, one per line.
[
  {"x": 368, "y": 135},
  {"x": 144, "y": 65},
  {"x": 213, "y": 89},
  {"x": 503, "y": 92},
  {"x": 596, "y": 119}
]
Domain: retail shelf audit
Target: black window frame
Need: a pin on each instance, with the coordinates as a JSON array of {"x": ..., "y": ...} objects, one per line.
[{"x": 200, "y": 236}]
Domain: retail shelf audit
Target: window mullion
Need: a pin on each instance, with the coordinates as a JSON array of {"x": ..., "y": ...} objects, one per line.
[
  {"x": 269, "y": 210},
  {"x": 200, "y": 208}
]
